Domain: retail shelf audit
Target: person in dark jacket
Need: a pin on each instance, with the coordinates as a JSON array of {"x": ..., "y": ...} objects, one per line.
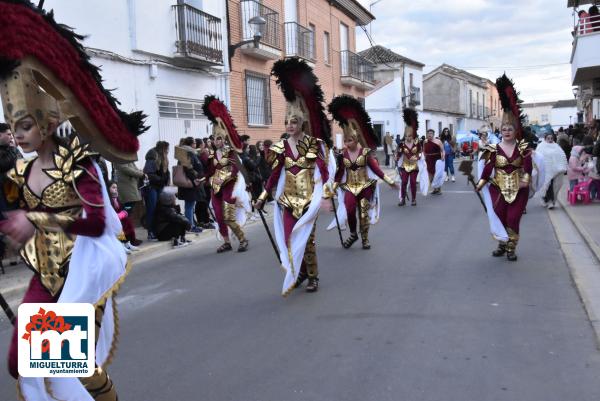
[
  {"x": 195, "y": 174},
  {"x": 8, "y": 159},
  {"x": 169, "y": 224},
  {"x": 157, "y": 170}
]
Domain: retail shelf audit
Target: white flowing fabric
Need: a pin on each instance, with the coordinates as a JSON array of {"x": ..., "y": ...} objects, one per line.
[
  {"x": 374, "y": 210},
  {"x": 300, "y": 232},
  {"x": 423, "y": 176},
  {"x": 537, "y": 174},
  {"x": 555, "y": 164},
  {"x": 440, "y": 174},
  {"x": 95, "y": 268},
  {"x": 496, "y": 227},
  {"x": 242, "y": 200}
]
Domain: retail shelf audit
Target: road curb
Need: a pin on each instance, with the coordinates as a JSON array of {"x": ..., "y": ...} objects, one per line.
[
  {"x": 584, "y": 269},
  {"x": 153, "y": 248},
  {"x": 582, "y": 231}
]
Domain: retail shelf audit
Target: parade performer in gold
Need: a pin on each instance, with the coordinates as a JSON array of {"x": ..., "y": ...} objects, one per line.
[{"x": 65, "y": 227}]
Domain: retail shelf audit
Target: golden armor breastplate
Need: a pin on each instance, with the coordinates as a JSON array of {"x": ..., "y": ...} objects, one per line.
[
  {"x": 508, "y": 183},
  {"x": 502, "y": 162},
  {"x": 299, "y": 187},
  {"x": 409, "y": 163},
  {"x": 223, "y": 173},
  {"x": 49, "y": 252},
  {"x": 356, "y": 179}
]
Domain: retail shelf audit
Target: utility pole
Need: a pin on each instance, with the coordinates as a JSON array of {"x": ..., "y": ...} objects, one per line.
[{"x": 371, "y": 23}]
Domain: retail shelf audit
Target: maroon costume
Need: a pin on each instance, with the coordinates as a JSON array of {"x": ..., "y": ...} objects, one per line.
[
  {"x": 409, "y": 169},
  {"x": 46, "y": 287},
  {"x": 223, "y": 194},
  {"x": 296, "y": 167},
  {"x": 357, "y": 192},
  {"x": 509, "y": 202},
  {"x": 433, "y": 153}
]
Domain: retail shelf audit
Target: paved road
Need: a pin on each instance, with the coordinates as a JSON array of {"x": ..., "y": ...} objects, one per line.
[{"x": 426, "y": 314}]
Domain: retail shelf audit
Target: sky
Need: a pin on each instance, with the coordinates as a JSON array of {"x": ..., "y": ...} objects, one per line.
[{"x": 530, "y": 40}]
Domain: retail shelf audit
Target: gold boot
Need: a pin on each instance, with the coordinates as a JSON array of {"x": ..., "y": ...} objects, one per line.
[
  {"x": 365, "y": 223},
  {"x": 511, "y": 245},
  {"x": 229, "y": 211},
  {"x": 310, "y": 262},
  {"x": 100, "y": 386}
]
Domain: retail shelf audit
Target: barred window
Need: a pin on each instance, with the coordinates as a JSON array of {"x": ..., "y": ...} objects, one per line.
[
  {"x": 258, "y": 99},
  {"x": 183, "y": 110},
  {"x": 326, "y": 47}
]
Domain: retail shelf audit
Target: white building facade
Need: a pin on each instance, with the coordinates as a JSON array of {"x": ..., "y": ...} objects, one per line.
[
  {"x": 454, "y": 99},
  {"x": 160, "y": 56},
  {"x": 399, "y": 83}
]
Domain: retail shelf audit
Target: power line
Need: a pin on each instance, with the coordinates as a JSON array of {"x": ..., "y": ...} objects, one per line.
[{"x": 522, "y": 67}]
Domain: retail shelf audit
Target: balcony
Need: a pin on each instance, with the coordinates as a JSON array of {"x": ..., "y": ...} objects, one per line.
[
  {"x": 268, "y": 48},
  {"x": 199, "y": 35},
  {"x": 585, "y": 57},
  {"x": 299, "y": 42},
  {"x": 356, "y": 71},
  {"x": 415, "y": 96}
]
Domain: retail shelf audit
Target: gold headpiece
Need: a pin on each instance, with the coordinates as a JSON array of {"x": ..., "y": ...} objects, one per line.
[
  {"x": 297, "y": 109},
  {"x": 22, "y": 96},
  {"x": 351, "y": 131}
]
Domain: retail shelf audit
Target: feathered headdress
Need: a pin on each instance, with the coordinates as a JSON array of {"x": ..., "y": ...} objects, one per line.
[
  {"x": 45, "y": 72},
  {"x": 511, "y": 104},
  {"x": 354, "y": 119},
  {"x": 411, "y": 122},
  {"x": 216, "y": 111},
  {"x": 304, "y": 96}
]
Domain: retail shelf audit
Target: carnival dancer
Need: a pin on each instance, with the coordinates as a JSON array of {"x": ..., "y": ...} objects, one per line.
[
  {"x": 506, "y": 174},
  {"x": 408, "y": 157},
  {"x": 66, "y": 228},
  {"x": 433, "y": 150},
  {"x": 300, "y": 170},
  {"x": 230, "y": 201},
  {"x": 357, "y": 169}
]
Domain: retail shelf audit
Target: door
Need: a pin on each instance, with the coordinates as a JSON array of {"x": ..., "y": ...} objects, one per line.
[
  {"x": 378, "y": 128},
  {"x": 291, "y": 11},
  {"x": 343, "y": 47}
]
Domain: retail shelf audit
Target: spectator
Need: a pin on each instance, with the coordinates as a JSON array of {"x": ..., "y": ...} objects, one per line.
[
  {"x": 449, "y": 151},
  {"x": 8, "y": 159},
  {"x": 251, "y": 163},
  {"x": 388, "y": 148},
  {"x": 169, "y": 224},
  {"x": 398, "y": 141},
  {"x": 584, "y": 25},
  {"x": 156, "y": 169},
  {"x": 594, "y": 18},
  {"x": 578, "y": 165},
  {"x": 264, "y": 167},
  {"x": 128, "y": 238},
  {"x": 128, "y": 178},
  {"x": 194, "y": 171},
  {"x": 555, "y": 166}
]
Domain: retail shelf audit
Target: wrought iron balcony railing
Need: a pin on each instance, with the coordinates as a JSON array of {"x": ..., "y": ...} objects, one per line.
[
  {"x": 299, "y": 41},
  {"x": 253, "y": 8},
  {"x": 198, "y": 34},
  {"x": 354, "y": 66}
]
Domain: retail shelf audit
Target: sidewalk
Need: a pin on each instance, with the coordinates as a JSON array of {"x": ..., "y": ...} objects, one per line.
[
  {"x": 586, "y": 218},
  {"x": 16, "y": 278}
]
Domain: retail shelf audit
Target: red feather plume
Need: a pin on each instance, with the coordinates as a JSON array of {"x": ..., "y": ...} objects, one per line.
[
  {"x": 345, "y": 107},
  {"x": 213, "y": 108},
  {"x": 509, "y": 99},
  {"x": 30, "y": 31}
]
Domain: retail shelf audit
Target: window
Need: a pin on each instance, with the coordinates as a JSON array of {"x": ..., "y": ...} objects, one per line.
[
  {"x": 180, "y": 109},
  {"x": 258, "y": 99},
  {"x": 427, "y": 122},
  {"x": 471, "y": 103},
  {"x": 344, "y": 36},
  {"x": 439, "y": 128},
  {"x": 478, "y": 114},
  {"x": 544, "y": 118},
  {"x": 313, "y": 43},
  {"x": 326, "y": 48},
  {"x": 410, "y": 80}
]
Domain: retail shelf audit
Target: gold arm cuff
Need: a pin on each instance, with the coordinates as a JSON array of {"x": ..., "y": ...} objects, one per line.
[
  {"x": 328, "y": 191},
  {"x": 50, "y": 221},
  {"x": 388, "y": 180},
  {"x": 526, "y": 178},
  {"x": 481, "y": 184},
  {"x": 263, "y": 196}
]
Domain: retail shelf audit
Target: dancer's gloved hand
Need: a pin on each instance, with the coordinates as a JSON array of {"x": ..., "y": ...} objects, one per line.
[{"x": 17, "y": 226}]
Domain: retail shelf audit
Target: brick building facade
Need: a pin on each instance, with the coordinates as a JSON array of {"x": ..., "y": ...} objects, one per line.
[{"x": 320, "y": 31}]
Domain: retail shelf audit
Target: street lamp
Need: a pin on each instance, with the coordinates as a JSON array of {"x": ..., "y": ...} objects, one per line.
[{"x": 257, "y": 25}]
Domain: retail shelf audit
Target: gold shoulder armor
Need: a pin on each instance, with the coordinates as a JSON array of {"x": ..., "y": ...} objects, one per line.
[
  {"x": 523, "y": 146},
  {"x": 17, "y": 174},
  {"x": 275, "y": 150},
  {"x": 487, "y": 152}
]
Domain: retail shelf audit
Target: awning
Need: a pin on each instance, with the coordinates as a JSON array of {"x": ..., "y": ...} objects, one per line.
[{"x": 577, "y": 3}]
